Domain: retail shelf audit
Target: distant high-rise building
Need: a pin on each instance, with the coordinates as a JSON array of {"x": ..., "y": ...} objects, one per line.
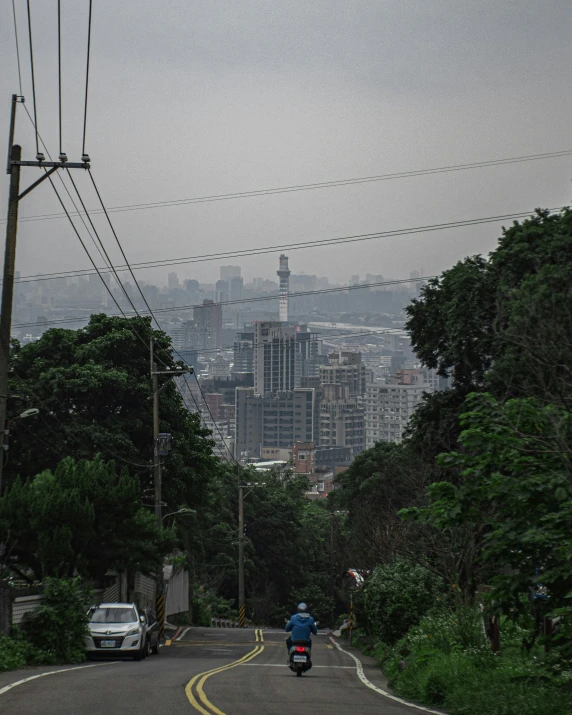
[
  {"x": 388, "y": 409},
  {"x": 342, "y": 422},
  {"x": 173, "y": 281},
  {"x": 221, "y": 291},
  {"x": 235, "y": 284},
  {"x": 228, "y": 272},
  {"x": 208, "y": 321},
  {"x": 274, "y": 357},
  {"x": 347, "y": 369},
  {"x": 276, "y": 421},
  {"x": 244, "y": 352},
  {"x": 283, "y": 273}
]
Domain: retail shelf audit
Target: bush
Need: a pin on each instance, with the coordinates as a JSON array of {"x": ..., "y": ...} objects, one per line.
[
  {"x": 446, "y": 661},
  {"x": 13, "y": 653},
  {"x": 58, "y": 626},
  {"x": 396, "y": 597}
]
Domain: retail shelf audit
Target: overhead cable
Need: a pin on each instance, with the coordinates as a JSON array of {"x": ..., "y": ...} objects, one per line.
[
  {"x": 87, "y": 77},
  {"x": 33, "y": 77},
  {"x": 320, "y": 185},
  {"x": 317, "y": 243},
  {"x": 17, "y": 46}
]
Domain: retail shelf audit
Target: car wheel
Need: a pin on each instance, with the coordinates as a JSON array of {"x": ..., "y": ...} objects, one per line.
[
  {"x": 148, "y": 650},
  {"x": 139, "y": 655}
]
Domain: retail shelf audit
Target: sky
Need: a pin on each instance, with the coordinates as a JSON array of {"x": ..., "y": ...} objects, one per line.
[{"x": 190, "y": 99}]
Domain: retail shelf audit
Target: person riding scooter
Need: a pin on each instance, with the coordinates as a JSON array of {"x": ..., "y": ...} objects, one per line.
[{"x": 301, "y": 625}]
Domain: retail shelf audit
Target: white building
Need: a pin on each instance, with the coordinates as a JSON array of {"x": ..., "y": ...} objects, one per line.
[{"x": 388, "y": 409}]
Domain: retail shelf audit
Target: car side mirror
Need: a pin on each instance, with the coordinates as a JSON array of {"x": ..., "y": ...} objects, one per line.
[{"x": 142, "y": 619}]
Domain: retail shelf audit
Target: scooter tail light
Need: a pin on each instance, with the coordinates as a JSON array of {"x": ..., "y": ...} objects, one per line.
[{"x": 300, "y": 649}]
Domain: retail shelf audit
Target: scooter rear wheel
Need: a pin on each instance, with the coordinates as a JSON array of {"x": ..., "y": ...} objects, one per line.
[{"x": 299, "y": 673}]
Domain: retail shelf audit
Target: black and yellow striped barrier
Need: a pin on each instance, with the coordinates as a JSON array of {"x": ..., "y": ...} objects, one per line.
[
  {"x": 241, "y": 617},
  {"x": 160, "y": 608}
]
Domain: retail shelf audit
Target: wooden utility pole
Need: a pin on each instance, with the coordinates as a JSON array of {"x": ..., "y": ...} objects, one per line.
[
  {"x": 13, "y": 166},
  {"x": 157, "y": 481},
  {"x": 241, "y": 604},
  {"x": 8, "y": 291}
]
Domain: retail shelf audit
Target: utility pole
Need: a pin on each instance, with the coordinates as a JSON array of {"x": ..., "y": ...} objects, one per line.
[
  {"x": 241, "y": 597},
  {"x": 156, "y": 456},
  {"x": 157, "y": 453},
  {"x": 241, "y": 606},
  {"x": 13, "y": 166}
]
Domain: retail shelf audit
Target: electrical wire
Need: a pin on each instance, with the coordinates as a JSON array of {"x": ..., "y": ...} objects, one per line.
[
  {"x": 321, "y": 185},
  {"x": 87, "y": 76},
  {"x": 33, "y": 77},
  {"x": 17, "y": 46},
  {"x": 317, "y": 243},
  {"x": 42, "y": 142},
  {"x": 121, "y": 249},
  {"x": 112, "y": 268},
  {"x": 60, "y": 69}
]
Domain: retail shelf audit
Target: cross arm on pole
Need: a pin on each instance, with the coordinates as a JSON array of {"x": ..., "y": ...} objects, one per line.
[{"x": 37, "y": 183}]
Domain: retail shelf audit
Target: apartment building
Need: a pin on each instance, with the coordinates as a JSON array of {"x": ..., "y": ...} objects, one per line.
[{"x": 388, "y": 409}]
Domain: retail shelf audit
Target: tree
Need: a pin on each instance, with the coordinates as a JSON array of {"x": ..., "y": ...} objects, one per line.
[
  {"x": 85, "y": 517},
  {"x": 516, "y": 465},
  {"x": 93, "y": 389}
]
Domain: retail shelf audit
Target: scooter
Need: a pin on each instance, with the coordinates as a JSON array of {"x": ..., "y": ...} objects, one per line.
[{"x": 300, "y": 659}]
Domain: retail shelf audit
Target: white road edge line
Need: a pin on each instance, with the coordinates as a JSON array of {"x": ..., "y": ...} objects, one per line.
[
  {"x": 178, "y": 638},
  {"x": 369, "y": 684},
  {"x": 6, "y": 688}
]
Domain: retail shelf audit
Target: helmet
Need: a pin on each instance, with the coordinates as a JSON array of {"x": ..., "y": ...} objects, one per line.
[{"x": 302, "y": 608}]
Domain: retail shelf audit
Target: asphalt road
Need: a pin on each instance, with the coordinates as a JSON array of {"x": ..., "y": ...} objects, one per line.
[{"x": 211, "y": 671}]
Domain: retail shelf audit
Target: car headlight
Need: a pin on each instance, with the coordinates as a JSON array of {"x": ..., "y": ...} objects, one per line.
[{"x": 133, "y": 632}]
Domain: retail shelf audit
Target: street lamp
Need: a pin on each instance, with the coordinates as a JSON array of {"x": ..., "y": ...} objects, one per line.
[{"x": 183, "y": 510}]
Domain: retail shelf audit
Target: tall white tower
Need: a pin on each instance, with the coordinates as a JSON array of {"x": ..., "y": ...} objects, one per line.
[{"x": 284, "y": 274}]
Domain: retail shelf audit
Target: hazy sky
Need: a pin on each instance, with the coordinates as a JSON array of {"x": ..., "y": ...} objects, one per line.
[{"x": 195, "y": 98}]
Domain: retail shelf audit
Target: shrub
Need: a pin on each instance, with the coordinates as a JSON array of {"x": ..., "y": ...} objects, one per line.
[
  {"x": 396, "y": 597},
  {"x": 58, "y": 626},
  {"x": 12, "y": 653}
]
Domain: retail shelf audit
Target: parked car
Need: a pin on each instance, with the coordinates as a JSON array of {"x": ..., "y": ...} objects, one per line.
[{"x": 121, "y": 629}]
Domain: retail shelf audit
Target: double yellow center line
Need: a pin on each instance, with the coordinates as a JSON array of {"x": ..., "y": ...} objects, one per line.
[{"x": 195, "y": 687}]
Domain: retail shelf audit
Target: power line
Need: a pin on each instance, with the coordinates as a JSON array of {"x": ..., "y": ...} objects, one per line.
[
  {"x": 320, "y": 185},
  {"x": 121, "y": 249},
  {"x": 33, "y": 78},
  {"x": 87, "y": 76},
  {"x": 17, "y": 46},
  {"x": 317, "y": 243},
  {"x": 60, "y": 69},
  {"x": 67, "y": 191}
]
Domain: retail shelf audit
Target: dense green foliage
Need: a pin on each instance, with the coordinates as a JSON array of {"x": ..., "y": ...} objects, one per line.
[
  {"x": 82, "y": 518},
  {"x": 54, "y": 632},
  {"x": 480, "y": 490},
  {"x": 397, "y": 595},
  {"x": 57, "y": 627}
]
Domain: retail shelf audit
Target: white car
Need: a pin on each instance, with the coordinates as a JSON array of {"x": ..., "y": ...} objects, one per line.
[{"x": 119, "y": 629}]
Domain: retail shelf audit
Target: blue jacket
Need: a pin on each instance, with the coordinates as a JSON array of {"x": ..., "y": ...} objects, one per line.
[{"x": 302, "y": 626}]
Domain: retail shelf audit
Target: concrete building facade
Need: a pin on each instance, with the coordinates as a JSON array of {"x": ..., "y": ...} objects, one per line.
[
  {"x": 388, "y": 409},
  {"x": 274, "y": 421}
]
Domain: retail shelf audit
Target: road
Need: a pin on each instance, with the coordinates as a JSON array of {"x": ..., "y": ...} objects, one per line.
[{"x": 209, "y": 671}]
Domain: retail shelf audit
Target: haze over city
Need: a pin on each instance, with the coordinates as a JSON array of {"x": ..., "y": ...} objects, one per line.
[{"x": 190, "y": 100}]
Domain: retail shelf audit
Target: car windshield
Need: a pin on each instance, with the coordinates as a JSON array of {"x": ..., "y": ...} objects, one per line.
[{"x": 113, "y": 615}]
